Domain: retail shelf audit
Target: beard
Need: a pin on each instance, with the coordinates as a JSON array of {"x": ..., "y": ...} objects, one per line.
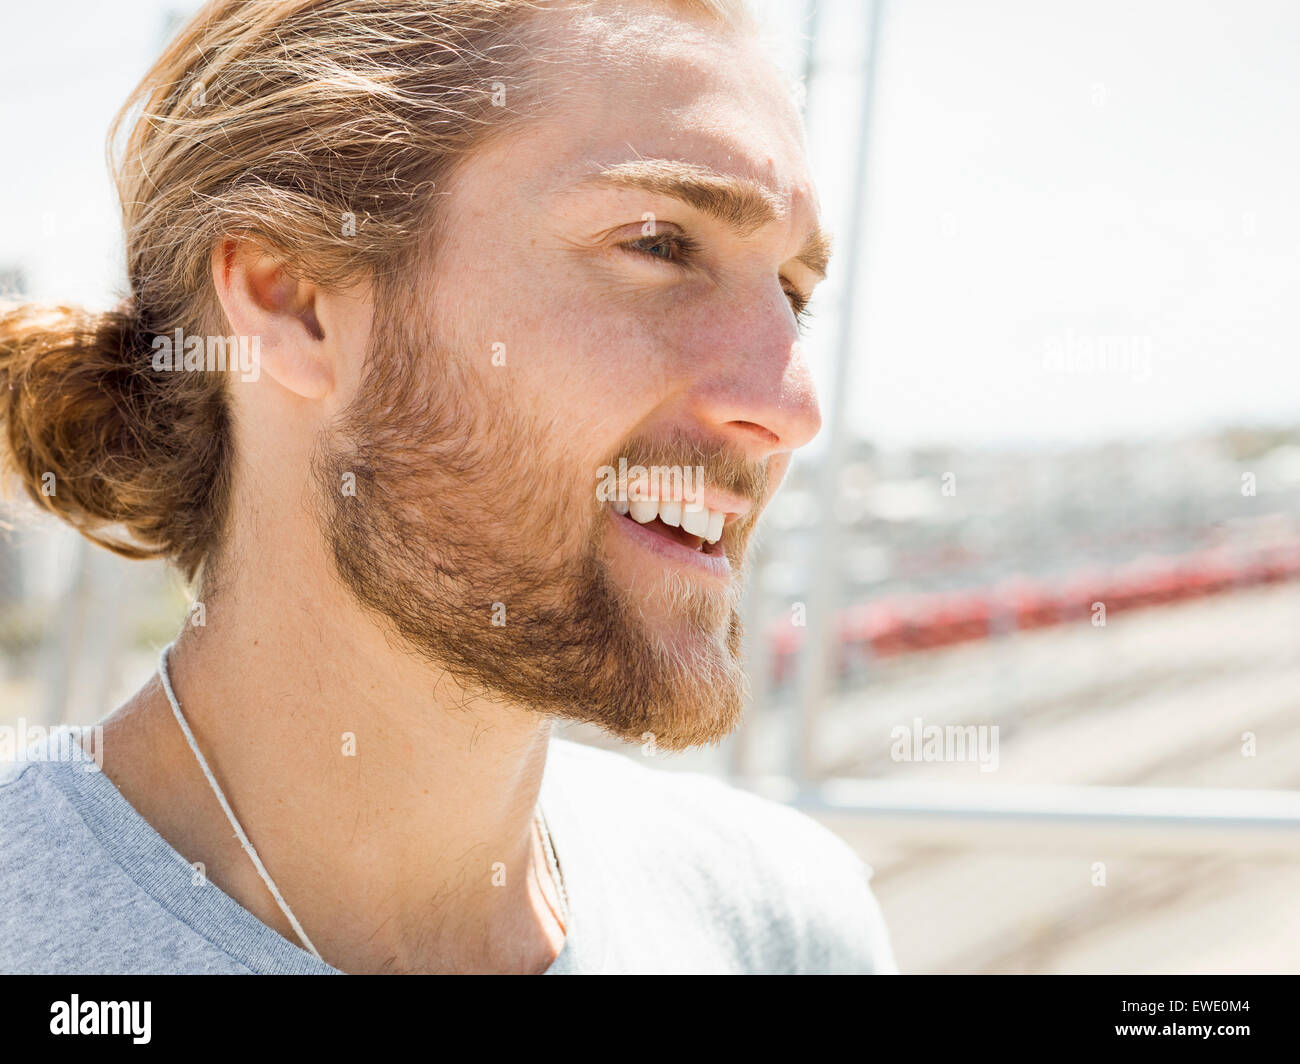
[{"x": 475, "y": 535}]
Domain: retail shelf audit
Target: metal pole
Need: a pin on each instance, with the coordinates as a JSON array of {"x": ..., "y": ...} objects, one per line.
[
  {"x": 810, "y": 53},
  {"x": 820, "y": 632},
  {"x": 1047, "y": 818}
]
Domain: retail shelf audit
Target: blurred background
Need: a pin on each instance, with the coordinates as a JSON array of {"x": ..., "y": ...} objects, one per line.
[{"x": 1058, "y": 361}]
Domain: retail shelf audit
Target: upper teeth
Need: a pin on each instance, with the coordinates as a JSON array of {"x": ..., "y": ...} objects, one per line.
[{"x": 702, "y": 522}]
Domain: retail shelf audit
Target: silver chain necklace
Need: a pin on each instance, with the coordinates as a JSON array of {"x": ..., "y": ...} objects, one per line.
[{"x": 539, "y": 823}]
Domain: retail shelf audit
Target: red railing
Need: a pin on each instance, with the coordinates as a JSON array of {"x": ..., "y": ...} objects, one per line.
[{"x": 903, "y": 624}]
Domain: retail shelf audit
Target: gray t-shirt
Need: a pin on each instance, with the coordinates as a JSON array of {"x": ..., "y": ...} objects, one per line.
[{"x": 665, "y": 872}]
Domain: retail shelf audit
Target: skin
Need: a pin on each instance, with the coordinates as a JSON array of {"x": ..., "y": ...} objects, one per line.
[{"x": 385, "y": 857}]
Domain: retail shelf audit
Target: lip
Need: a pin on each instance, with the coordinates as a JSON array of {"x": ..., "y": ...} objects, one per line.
[
  {"x": 717, "y": 566},
  {"x": 733, "y": 506}
]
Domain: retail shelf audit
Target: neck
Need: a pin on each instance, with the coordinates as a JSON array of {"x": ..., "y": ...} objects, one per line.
[{"x": 393, "y": 809}]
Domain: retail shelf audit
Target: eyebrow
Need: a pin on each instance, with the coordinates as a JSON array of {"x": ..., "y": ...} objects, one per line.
[{"x": 740, "y": 203}]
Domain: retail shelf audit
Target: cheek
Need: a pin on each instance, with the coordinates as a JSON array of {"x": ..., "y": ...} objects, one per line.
[
  {"x": 596, "y": 357},
  {"x": 597, "y": 369}
]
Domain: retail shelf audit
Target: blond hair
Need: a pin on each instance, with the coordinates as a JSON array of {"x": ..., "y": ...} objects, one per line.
[{"x": 319, "y": 128}]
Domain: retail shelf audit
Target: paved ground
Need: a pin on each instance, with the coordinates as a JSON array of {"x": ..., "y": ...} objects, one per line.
[{"x": 1157, "y": 698}]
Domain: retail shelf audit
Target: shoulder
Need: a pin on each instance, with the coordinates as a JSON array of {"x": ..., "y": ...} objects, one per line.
[
  {"x": 44, "y": 839},
  {"x": 42, "y": 845},
  {"x": 68, "y": 904},
  {"x": 27, "y": 802},
  {"x": 795, "y": 895},
  {"x": 37, "y": 811}
]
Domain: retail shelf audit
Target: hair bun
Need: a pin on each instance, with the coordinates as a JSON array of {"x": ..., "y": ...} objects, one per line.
[{"x": 95, "y": 436}]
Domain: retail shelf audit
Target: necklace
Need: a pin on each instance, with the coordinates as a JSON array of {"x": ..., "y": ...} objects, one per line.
[
  {"x": 539, "y": 823},
  {"x": 553, "y": 866},
  {"x": 230, "y": 813}
]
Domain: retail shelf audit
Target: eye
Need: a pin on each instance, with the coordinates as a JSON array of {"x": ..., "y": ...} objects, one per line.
[
  {"x": 667, "y": 247},
  {"x": 680, "y": 250},
  {"x": 799, "y": 304}
]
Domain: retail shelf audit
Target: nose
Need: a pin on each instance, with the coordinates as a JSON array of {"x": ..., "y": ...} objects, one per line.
[{"x": 758, "y": 392}]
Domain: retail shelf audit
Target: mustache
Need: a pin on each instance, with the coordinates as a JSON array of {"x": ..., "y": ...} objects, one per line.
[{"x": 726, "y": 468}]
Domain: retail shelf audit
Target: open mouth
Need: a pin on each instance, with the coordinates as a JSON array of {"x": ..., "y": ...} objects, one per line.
[{"x": 697, "y": 529}]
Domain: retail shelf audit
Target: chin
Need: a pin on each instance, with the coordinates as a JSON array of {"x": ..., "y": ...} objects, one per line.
[
  {"x": 693, "y": 687},
  {"x": 703, "y": 717}
]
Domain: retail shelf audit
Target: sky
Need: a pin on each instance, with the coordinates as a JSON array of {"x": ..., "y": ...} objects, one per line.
[{"x": 1081, "y": 220}]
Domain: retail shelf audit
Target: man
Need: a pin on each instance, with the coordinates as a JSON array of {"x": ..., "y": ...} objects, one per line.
[{"x": 410, "y": 552}]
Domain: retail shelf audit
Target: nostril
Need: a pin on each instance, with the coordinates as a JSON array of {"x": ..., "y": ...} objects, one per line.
[{"x": 765, "y": 436}]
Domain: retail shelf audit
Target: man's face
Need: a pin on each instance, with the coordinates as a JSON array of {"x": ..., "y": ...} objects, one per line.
[{"x": 616, "y": 281}]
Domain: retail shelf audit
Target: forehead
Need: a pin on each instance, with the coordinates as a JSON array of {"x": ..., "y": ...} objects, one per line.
[{"x": 643, "y": 81}]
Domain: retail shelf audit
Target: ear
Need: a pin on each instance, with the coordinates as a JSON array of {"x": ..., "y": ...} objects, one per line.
[{"x": 262, "y": 298}]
